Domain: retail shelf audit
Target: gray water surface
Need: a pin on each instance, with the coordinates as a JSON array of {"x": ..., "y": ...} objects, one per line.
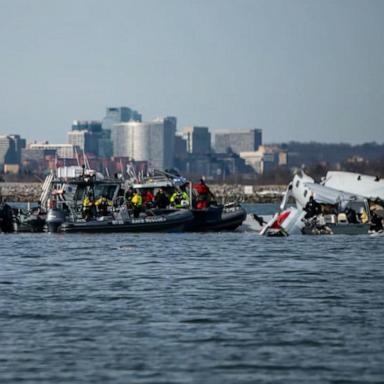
[{"x": 191, "y": 308}]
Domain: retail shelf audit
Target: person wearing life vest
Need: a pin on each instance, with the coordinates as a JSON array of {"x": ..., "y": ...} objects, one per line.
[
  {"x": 88, "y": 207},
  {"x": 128, "y": 197},
  {"x": 204, "y": 195},
  {"x": 363, "y": 216},
  {"x": 137, "y": 202},
  {"x": 148, "y": 199},
  {"x": 102, "y": 204},
  {"x": 179, "y": 199}
]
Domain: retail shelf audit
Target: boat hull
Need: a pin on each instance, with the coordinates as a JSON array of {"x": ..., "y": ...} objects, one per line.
[
  {"x": 173, "y": 222},
  {"x": 349, "y": 229},
  {"x": 217, "y": 218},
  {"x": 31, "y": 224}
]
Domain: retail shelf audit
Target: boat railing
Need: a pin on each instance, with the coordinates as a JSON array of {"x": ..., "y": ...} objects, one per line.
[{"x": 46, "y": 189}]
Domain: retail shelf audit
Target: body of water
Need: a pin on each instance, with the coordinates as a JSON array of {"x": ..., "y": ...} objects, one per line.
[{"x": 191, "y": 308}]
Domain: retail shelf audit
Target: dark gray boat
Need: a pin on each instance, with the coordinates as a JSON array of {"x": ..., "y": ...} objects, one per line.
[
  {"x": 214, "y": 217},
  {"x": 166, "y": 222}
]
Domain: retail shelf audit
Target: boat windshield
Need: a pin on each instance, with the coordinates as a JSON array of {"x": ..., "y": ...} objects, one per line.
[
  {"x": 105, "y": 190},
  {"x": 357, "y": 206}
]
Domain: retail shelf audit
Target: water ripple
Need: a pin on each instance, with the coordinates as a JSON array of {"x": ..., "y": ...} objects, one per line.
[{"x": 191, "y": 308}]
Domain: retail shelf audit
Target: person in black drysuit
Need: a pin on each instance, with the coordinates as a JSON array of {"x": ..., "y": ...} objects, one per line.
[
  {"x": 351, "y": 216},
  {"x": 161, "y": 199},
  {"x": 128, "y": 197},
  {"x": 6, "y": 217},
  {"x": 312, "y": 208},
  {"x": 376, "y": 223},
  {"x": 259, "y": 219}
]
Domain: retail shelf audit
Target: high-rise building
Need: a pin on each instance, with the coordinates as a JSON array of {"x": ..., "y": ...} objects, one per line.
[
  {"x": 146, "y": 141},
  {"x": 20, "y": 143},
  {"x": 170, "y": 126},
  {"x": 180, "y": 146},
  {"x": 115, "y": 115},
  {"x": 7, "y": 150},
  {"x": 87, "y": 142},
  {"x": 241, "y": 141},
  {"x": 90, "y": 137},
  {"x": 10, "y": 149},
  {"x": 105, "y": 144},
  {"x": 198, "y": 140}
]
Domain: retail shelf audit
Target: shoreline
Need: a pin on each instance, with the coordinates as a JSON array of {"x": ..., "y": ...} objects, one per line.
[{"x": 24, "y": 192}]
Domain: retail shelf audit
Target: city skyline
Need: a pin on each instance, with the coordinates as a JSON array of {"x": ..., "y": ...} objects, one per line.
[{"x": 299, "y": 70}]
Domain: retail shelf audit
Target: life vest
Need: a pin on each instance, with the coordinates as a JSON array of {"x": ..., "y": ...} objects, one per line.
[
  {"x": 180, "y": 199},
  {"x": 148, "y": 197},
  {"x": 201, "y": 204},
  {"x": 364, "y": 217},
  {"x": 87, "y": 202},
  {"x": 102, "y": 202},
  {"x": 201, "y": 188},
  {"x": 137, "y": 200}
]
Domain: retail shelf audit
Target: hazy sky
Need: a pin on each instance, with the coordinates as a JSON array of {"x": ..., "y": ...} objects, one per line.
[{"x": 299, "y": 69}]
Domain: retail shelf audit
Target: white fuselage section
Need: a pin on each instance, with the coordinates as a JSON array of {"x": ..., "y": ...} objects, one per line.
[{"x": 368, "y": 186}]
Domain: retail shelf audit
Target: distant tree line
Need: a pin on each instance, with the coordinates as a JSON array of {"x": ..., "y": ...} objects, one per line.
[{"x": 300, "y": 154}]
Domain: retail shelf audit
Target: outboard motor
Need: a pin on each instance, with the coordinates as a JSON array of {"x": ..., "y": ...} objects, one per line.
[{"x": 55, "y": 218}]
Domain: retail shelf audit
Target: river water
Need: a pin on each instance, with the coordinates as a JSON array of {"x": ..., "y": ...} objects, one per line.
[{"x": 191, "y": 308}]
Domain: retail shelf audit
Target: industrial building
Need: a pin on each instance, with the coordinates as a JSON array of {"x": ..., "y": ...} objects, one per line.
[{"x": 238, "y": 141}]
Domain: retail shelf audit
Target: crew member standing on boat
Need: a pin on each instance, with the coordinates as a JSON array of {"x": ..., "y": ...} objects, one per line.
[
  {"x": 351, "y": 215},
  {"x": 128, "y": 197},
  {"x": 313, "y": 208},
  {"x": 363, "y": 216},
  {"x": 137, "y": 202},
  {"x": 376, "y": 223},
  {"x": 6, "y": 217},
  {"x": 204, "y": 195},
  {"x": 88, "y": 207}
]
